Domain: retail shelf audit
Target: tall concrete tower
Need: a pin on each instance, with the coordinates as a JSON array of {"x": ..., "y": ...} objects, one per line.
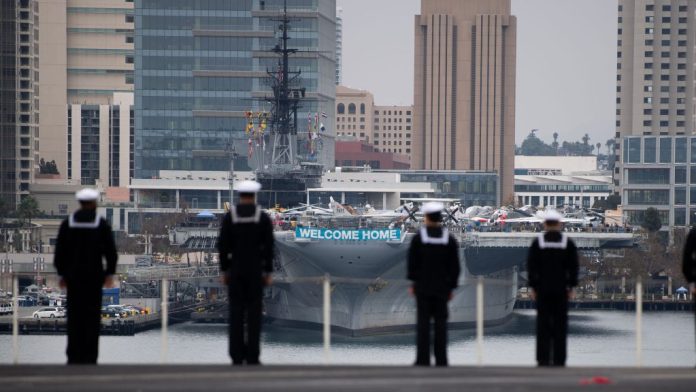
[{"x": 464, "y": 96}]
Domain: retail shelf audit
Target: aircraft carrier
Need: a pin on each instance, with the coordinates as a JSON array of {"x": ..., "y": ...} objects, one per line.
[{"x": 368, "y": 273}]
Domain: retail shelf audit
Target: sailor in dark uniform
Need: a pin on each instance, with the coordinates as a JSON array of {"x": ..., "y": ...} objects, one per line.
[
  {"x": 689, "y": 261},
  {"x": 552, "y": 265},
  {"x": 246, "y": 260},
  {"x": 433, "y": 266},
  {"x": 84, "y": 240}
]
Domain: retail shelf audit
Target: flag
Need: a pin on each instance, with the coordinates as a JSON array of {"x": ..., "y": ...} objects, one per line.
[
  {"x": 323, "y": 115},
  {"x": 251, "y": 148}
]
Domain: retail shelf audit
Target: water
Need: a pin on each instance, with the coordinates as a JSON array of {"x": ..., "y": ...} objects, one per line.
[{"x": 597, "y": 338}]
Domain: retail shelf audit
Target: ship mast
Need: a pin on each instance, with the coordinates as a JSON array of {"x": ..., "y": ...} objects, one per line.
[{"x": 286, "y": 101}]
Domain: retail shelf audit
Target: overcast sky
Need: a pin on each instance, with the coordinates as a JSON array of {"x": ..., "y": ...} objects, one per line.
[{"x": 566, "y": 61}]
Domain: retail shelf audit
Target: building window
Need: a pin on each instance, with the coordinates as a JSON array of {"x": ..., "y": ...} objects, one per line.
[
  {"x": 665, "y": 150},
  {"x": 679, "y": 196},
  {"x": 647, "y": 177},
  {"x": 650, "y": 150},
  {"x": 351, "y": 108},
  {"x": 632, "y": 150},
  {"x": 341, "y": 108},
  {"x": 362, "y": 109},
  {"x": 680, "y": 150}
]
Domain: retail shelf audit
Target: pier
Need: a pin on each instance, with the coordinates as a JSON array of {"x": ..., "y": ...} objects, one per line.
[
  {"x": 321, "y": 378},
  {"x": 110, "y": 326}
]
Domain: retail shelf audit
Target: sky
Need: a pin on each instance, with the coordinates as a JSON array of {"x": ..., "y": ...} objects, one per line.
[{"x": 566, "y": 61}]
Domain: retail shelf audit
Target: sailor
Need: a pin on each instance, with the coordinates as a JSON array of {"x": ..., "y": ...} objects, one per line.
[
  {"x": 84, "y": 240},
  {"x": 245, "y": 244},
  {"x": 689, "y": 261},
  {"x": 433, "y": 267},
  {"x": 552, "y": 266}
]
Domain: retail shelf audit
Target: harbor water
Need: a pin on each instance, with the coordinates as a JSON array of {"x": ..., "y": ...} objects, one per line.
[{"x": 597, "y": 338}]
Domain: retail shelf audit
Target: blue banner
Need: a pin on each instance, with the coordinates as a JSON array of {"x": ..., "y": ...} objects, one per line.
[{"x": 348, "y": 234}]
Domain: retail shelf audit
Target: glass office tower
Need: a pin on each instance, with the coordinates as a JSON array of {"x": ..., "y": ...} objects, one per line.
[{"x": 201, "y": 65}]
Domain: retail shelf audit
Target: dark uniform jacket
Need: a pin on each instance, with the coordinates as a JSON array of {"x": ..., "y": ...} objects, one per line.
[
  {"x": 84, "y": 239},
  {"x": 246, "y": 246},
  {"x": 552, "y": 263},
  {"x": 433, "y": 262},
  {"x": 689, "y": 258}
]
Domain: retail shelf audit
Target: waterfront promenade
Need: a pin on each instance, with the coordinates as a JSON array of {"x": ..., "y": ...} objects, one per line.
[{"x": 325, "y": 378}]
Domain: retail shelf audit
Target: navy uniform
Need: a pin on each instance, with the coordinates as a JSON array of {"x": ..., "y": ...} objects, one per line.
[
  {"x": 689, "y": 259},
  {"x": 84, "y": 240},
  {"x": 433, "y": 266},
  {"x": 246, "y": 251},
  {"x": 552, "y": 266}
]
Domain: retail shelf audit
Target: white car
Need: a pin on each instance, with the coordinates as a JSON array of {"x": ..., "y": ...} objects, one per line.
[{"x": 51, "y": 312}]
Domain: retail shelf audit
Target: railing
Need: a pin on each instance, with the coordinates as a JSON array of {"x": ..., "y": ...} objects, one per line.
[{"x": 327, "y": 284}]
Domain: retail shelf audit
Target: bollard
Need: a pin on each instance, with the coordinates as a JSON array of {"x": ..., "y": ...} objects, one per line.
[
  {"x": 15, "y": 320},
  {"x": 639, "y": 322},
  {"x": 327, "y": 318},
  {"x": 164, "y": 313},
  {"x": 479, "y": 320}
]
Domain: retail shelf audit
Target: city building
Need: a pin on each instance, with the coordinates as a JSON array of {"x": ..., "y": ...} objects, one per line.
[
  {"x": 202, "y": 65},
  {"x": 360, "y": 153},
  {"x": 387, "y": 128},
  {"x": 557, "y": 181},
  {"x": 654, "y": 107},
  {"x": 393, "y": 129},
  {"x": 658, "y": 172},
  {"x": 87, "y": 74},
  {"x": 464, "y": 93},
  {"x": 339, "y": 46},
  {"x": 19, "y": 97},
  {"x": 354, "y": 113},
  {"x": 655, "y": 76}
]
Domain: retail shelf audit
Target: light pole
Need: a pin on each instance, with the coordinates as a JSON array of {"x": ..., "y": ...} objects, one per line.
[{"x": 39, "y": 265}]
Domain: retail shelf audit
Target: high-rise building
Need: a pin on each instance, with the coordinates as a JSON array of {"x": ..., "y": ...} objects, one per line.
[
  {"x": 339, "y": 46},
  {"x": 87, "y": 74},
  {"x": 19, "y": 97},
  {"x": 655, "y": 73},
  {"x": 202, "y": 65},
  {"x": 656, "y": 155},
  {"x": 464, "y": 95}
]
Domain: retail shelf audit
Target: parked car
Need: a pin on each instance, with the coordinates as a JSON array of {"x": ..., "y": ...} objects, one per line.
[
  {"x": 5, "y": 308},
  {"x": 107, "y": 312},
  {"x": 50, "y": 312}
]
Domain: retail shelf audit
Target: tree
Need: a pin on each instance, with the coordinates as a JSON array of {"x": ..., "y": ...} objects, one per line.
[
  {"x": 599, "y": 147},
  {"x": 555, "y": 141},
  {"x": 28, "y": 209},
  {"x": 610, "y": 203},
  {"x": 48, "y": 167},
  {"x": 651, "y": 220},
  {"x": 586, "y": 139},
  {"x": 533, "y": 146}
]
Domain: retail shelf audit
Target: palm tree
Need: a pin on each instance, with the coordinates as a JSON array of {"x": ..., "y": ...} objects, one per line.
[
  {"x": 599, "y": 146},
  {"x": 586, "y": 139},
  {"x": 610, "y": 145},
  {"x": 555, "y": 142}
]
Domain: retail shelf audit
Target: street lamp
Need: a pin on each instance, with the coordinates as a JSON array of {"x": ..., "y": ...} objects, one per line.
[{"x": 39, "y": 265}]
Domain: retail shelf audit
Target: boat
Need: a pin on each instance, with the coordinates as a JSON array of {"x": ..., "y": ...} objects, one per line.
[{"x": 364, "y": 256}]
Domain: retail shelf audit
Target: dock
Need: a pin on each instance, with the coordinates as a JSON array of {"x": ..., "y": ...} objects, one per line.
[
  {"x": 128, "y": 326},
  {"x": 338, "y": 378},
  {"x": 620, "y": 304}
]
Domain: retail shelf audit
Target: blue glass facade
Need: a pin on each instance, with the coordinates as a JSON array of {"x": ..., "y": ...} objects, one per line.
[
  {"x": 200, "y": 65},
  {"x": 470, "y": 187}
]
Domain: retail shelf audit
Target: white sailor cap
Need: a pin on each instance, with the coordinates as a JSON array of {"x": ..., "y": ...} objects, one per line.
[
  {"x": 248, "y": 187},
  {"x": 552, "y": 216},
  {"x": 432, "y": 207},
  {"x": 87, "y": 194}
]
